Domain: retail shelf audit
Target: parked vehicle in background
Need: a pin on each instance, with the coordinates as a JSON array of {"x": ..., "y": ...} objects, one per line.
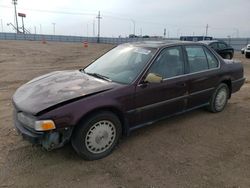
[
  {"x": 247, "y": 51},
  {"x": 195, "y": 38},
  {"x": 243, "y": 50},
  {"x": 132, "y": 36},
  {"x": 131, "y": 86},
  {"x": 222, "y": 48}
]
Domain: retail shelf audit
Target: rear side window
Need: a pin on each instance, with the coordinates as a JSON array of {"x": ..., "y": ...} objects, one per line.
[
  {"x": 222, "y": 45},
  {"x": 214, "y": 45},
  {"x": 197, "y": 59},
  {"x": 212, "y": 61}
]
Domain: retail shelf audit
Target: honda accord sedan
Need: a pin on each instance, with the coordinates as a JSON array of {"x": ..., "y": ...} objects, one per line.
[{"x": 131, "y": 86}]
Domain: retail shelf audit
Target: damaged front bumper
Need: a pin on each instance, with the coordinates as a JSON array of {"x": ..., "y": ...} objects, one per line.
[{"x": 47, "y": 139}]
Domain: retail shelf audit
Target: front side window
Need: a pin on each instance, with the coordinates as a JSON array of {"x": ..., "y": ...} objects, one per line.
[
  {"x": 121, "y": 64},
  {"x": 196, "y": 59},
  {"x": 169, "y": 63}
]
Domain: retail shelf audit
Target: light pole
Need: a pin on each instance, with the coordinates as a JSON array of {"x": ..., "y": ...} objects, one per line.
[
  {"x": 22, "y": 15},
  {"x": 99, "y": 20},
  {"x": 2, "y": 24},
  {"x": 237, "y": 32},
  {"x": 54, "y": 28},
  {"x": 15, "y": 3},
  {"x": 133, "y": 21},
  {"x": 40, "y": 29},
  {"x": 94, "y": 28},
  {"x": 178, "y": 32}
]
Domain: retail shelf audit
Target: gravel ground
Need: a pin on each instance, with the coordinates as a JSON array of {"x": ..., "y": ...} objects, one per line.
[{"x": 197, "y": 149}]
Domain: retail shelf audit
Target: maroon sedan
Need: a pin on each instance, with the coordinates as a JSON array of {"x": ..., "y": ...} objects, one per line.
[{"x": 130, "y": 86}]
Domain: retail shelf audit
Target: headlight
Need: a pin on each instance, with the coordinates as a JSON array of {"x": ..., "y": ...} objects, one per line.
[
  {"x": 44, "y": 125},
  {"x": 38, "y": 125}
]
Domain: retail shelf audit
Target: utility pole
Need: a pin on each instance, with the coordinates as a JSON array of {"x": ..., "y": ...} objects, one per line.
[
  {"x": 93, "y": 27},
  {"x": 35, "y": 29},
  {"x": 206, "y": 30},
  {"x": 15, "y": 3},
  {"x": 99, "y": 20},
  {"x": 54, "y": 28},
  {"x": 164, "y": 33},
  {"x": 87, "y": 30}
]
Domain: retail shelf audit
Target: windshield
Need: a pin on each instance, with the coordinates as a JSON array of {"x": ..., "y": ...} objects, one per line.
[{"x": 121, "y": 64}]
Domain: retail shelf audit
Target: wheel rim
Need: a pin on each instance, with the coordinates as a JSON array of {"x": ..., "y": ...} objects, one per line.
[
  {"x": 100, "y": 136},
  {"x": 221, "y": 99}
]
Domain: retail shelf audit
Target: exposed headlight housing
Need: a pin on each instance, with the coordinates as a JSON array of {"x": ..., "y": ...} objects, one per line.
[{"x": 38, "y": 125}]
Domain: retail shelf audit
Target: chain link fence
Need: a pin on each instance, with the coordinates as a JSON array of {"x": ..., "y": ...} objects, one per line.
[{"x": 236, "y": 43}]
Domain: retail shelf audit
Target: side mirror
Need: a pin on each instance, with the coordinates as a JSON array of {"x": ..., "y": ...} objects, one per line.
[{"x": 153, "y": 78}]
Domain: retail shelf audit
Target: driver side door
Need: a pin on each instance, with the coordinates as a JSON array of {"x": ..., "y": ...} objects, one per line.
[{"x": 157, "y": 100}]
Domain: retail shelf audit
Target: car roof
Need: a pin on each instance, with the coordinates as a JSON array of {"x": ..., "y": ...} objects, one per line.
[
  {"x": 159, "y": 44},
  {"x": 209, "y": 41}
]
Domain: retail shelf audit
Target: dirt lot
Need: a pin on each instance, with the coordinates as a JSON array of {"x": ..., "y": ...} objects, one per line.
[{"x": 198, "y": 149}]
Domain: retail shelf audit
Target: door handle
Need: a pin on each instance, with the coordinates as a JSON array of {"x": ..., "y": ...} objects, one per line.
[{"x": 183, "y": 84}]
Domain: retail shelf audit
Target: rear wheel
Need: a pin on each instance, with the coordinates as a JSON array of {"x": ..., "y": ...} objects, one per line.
[
  {"x": 247, "y": 55},
  {"x": 97, "y": 136},
  {"x": 219, "y": 98}
]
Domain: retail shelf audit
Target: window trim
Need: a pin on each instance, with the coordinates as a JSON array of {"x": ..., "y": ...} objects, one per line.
[
  {"x": 165, "y": 48},
  {"x": 186, "y": 72},
  {"x": 188, "y": 60},
  {"x": 206, "y": 49},
  {"x": 193, "y": 73}
]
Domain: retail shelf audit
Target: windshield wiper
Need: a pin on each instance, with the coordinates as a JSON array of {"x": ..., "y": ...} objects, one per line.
[{"x": 99, "y": 76}]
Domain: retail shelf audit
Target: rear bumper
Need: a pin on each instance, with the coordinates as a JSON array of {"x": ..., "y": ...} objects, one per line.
[{"x": 237, "y": 84}]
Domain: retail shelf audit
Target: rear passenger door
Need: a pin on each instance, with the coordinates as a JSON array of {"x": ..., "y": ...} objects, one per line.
[{"x": 203, "y": 67}]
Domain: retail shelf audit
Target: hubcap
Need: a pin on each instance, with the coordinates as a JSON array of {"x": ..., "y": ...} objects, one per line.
[
  {"x": 100, "y": 136},
  {"x": 221, "y": 99}
]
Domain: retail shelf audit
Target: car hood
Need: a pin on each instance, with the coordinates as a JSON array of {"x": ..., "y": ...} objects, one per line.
[{"x": 55, "y": 88}]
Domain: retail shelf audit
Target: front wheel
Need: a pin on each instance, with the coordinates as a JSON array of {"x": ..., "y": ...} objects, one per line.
[
  {"x": 97, "y": 136},
  {"x": 219, "y": 98}
]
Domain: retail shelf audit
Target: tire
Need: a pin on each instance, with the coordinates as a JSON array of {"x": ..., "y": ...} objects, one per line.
[
  {"x": 228, "y": 56},
  {"x": 96, "y": 137},
  {"x": 247, "y": 55},
  {"x": 219, "y": 98}
]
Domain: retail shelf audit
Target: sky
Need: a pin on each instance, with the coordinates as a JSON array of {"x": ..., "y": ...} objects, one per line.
[{"x": 119, "y": 17}]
